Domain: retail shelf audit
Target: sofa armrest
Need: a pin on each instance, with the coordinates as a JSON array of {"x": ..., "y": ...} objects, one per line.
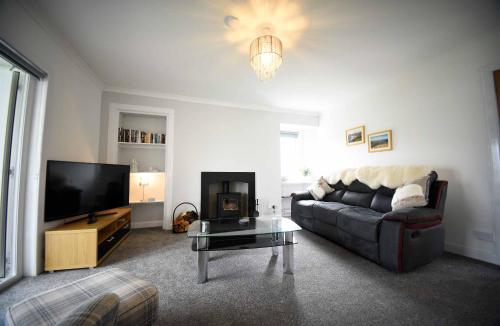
[
  {"x": 305, "y": 195},
  {"x": 414, "y": 215}
]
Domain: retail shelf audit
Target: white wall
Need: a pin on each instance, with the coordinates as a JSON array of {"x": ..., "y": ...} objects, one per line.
[
  {"x": 437, "y": 112},
  {"x": 73, "y": 106},
  {"x": 213, "y": 138}
]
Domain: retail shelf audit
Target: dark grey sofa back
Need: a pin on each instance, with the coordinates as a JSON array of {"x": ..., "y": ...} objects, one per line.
[
  {"x": 382, "y": 200},
  {"x": 336, "y": 195},
  {"x": 437, "y": 195},
  {"x": 359, "y": 194}
]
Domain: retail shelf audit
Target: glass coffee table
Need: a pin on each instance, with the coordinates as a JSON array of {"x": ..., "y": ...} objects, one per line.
[{"x": 230, "y": 234}]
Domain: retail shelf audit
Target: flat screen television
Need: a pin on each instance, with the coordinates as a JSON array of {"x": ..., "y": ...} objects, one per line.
[{"x": 75, "y": 188}]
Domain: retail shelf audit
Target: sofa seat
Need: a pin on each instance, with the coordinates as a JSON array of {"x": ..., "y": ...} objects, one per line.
[
  {"x": 360, "y": 222},
  {"x": 325, "y": 211},
  {"x": 305, "y": 208},
  {"x": 138, "y": 300}
]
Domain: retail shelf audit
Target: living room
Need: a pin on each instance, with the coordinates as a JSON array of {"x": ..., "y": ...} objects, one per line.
[{"x": 298, "y": 132}]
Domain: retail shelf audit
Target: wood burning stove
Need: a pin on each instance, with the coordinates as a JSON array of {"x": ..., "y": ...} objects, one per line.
[
  {"x": 228, "y": 203},
  {"x": 243, "y": 185}
]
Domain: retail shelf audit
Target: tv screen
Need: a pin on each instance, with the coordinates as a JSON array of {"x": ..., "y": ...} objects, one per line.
[{"x": 74, "y": 188}]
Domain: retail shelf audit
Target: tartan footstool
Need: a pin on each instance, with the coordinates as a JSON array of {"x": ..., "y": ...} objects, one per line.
[{"x": 138, "y": 300}]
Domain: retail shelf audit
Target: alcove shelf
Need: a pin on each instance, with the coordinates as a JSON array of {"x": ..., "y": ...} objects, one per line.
[
  {"x": 149, "y": 156},
  {"x": 141, "y": 145},
  {"x": 146, "y": 202}
]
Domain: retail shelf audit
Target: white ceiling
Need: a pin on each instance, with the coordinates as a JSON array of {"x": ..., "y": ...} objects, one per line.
[{"x": 345, "y": 48}]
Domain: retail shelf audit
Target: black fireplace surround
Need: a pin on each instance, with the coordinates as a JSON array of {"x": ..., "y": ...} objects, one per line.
[{"x": 229, "y": 204}]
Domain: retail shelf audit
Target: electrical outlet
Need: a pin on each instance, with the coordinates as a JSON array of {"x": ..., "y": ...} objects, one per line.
[{"x": 484, "y": 235}]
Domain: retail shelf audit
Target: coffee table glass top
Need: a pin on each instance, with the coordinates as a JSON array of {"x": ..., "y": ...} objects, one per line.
[{"x": 232, "y": 228}]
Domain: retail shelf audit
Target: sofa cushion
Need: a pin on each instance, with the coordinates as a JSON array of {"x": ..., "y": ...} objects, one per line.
[
  {"x": 359, "y": 221},
  {"x": 335, "y": 196},
  {"x": 339, "y": 185},
  {"x": 326, "y": 211},
  {"x": 304, "y": 208},
  {"x": 381, "y": 201},
  {"x": 358, "y": 194},
  {"x": 426, "y": 183}
]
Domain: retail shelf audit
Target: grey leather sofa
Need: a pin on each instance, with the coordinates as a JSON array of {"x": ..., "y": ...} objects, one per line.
[{"x": 362, "y": 220}]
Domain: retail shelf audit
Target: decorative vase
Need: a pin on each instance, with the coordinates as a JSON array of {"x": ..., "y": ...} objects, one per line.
[{"x": 133, "y": 165}]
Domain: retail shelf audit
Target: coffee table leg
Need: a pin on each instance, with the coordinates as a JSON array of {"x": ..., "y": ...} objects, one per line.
[
  {"x": 202, "y": 266},
  {"x": 275, "y": 251},
  {"x": 288, "y": 254}
]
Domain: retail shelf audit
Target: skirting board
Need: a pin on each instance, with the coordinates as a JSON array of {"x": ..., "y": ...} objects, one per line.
[
  {"x": 146, "y": 224},
  {"x": 472, "y": 253}
]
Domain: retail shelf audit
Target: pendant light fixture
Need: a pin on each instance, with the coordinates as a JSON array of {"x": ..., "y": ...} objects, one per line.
[{"x": 266, "y": 56}]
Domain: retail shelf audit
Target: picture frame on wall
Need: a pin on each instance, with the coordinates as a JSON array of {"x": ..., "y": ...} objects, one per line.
[
  {"x": 355, "y": 136},
  {"x": 380, "y": 141}
]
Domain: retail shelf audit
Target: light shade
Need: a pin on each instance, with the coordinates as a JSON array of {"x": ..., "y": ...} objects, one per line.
[{"x": 266, "y": 56}]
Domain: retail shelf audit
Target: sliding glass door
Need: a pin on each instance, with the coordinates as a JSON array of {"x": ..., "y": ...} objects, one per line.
[{"x": 13, "y": 96}]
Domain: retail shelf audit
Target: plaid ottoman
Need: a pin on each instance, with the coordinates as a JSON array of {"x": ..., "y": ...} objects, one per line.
[{"x": 138, "y": 300}]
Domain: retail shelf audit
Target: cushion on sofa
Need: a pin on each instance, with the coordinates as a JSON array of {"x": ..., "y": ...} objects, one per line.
[
  {"x": 358, "y": 194},
  {"x": 426, "y": 183},
  {"x": 381, "y": 201},
  {"x": 411, "y": 195},
  {"x": 304, "y": 208},
  {"x": 339, "y": 185},
  {"x": 325, "y": 211},
  {"x": 319, "y": 189},
  {"x": 98, "y": 310},
  {"x": 359, "y": 221},
  {"x": 335, "y": 196}
]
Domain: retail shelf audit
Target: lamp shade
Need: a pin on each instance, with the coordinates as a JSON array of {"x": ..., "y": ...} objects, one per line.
[{"x": 266, "y": 56}]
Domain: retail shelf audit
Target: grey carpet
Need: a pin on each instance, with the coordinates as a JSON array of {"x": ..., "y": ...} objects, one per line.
[{"x": 331, "y": 286}]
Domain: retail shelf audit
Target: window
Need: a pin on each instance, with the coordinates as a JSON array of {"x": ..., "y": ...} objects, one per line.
[
  {"x": 290, "y": 155},
  {"x": 298, "y": 152}
]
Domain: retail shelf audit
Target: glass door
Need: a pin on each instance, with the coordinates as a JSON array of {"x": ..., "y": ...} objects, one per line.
[{"x": 13, "y": 88}]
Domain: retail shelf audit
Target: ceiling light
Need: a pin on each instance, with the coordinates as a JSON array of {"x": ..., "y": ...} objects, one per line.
[{"x": 266, "y": 56}]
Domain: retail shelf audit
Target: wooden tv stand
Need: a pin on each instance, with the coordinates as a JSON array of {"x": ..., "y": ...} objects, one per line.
[{"x": 81, "y": 245}]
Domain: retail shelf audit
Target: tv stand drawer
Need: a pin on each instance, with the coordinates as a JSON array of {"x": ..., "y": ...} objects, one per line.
[{"x": 112, "y": 241}]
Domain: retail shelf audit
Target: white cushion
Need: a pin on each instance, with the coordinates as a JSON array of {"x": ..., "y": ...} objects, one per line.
[
  {"x": 319, "y": 189},
  {"x": 411, "y": 195}
]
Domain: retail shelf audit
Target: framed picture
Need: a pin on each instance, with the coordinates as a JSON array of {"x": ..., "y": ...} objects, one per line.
[
  {"x": 380, "y": 141},
  {"x": 355, "y": 136}
]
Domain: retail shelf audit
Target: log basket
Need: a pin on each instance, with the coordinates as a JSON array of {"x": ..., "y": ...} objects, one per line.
[{"x": 181, "y": 223}]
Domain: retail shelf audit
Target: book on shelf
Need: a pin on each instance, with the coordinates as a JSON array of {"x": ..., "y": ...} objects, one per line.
[
  {"x": 133, "y": 135},
  {"x": 127, "y": 136},
  {"x": 140, "y": 136}
]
